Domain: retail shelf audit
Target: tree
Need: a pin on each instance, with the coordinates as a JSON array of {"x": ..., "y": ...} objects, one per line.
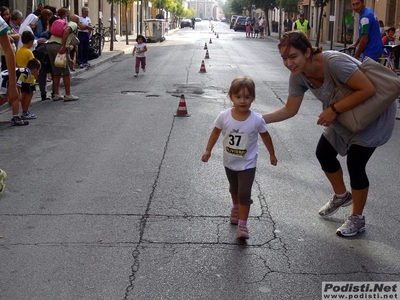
[
  {"x": 125, "y": 4},
  {"x": 321, "y": 4},
  {"x": 237, "y": 6},
  {"x": 290, "y": 5}
]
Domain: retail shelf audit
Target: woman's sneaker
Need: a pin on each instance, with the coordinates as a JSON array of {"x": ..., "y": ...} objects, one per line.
[
  {"x": 71, "y": 98},
  {"x": 3, "y": 177},
  {"x": 17, "y": 121},
  {"x": 242, "y": 232},
  {"x": 58, "y": 97},
  {"x": 351, "y": 226},
  {"x": 334, "y": 204}
]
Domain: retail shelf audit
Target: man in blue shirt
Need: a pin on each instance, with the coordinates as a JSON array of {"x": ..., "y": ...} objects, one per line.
[{"x": 369, "y": 41}]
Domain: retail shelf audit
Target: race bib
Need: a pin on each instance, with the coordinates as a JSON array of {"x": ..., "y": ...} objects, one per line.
[{"x": 236, "y": 144}]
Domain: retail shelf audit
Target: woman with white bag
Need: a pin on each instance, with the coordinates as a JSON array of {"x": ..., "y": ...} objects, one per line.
[{"x": 306, "y": 64}]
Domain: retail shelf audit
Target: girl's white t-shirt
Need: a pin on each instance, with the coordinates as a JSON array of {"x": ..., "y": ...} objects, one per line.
[
  {"x": 140, "y": 47},
  {"x": 240, "y": 147}
]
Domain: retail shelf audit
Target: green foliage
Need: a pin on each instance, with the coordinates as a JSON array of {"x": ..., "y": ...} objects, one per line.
[
  {"x": 290, "y": 5},
  {"x": 321, "y": 3},
  {"x": 237, "y": 6},
  {"x": 266, "y": 5}
]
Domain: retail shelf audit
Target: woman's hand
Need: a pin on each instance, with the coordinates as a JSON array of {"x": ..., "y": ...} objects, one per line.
[
  {"x": 62, "y": 50},
  {"x": 326, "y": 117}
]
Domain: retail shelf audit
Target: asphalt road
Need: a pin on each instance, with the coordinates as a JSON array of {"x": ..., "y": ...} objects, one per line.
[{"x": 107, "y": 197}]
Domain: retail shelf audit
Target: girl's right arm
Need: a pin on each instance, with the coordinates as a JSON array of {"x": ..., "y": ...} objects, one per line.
[
  {"x": 290, "y": 109},
  {"x": 211, "y": 142},
  {"x": 134, "y": 50}
]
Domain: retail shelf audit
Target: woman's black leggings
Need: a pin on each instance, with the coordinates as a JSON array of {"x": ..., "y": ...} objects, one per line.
[{"x": 357, "y": 158}]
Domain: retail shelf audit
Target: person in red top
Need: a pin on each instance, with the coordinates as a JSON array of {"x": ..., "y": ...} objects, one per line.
[{"x": 389, "y": 40}]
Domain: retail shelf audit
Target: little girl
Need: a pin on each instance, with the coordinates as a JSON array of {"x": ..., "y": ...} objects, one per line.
[
  {"x": 248, "y": 28},
  {"x": 240, "y": 127},
  {"x": 140, "y": 50},
  {"x": 389, "y": 40}
]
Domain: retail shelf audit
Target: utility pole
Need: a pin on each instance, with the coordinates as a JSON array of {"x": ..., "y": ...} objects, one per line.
[
  {"x": 280, "y": 19},
  {"x": 100, "y": 25}
]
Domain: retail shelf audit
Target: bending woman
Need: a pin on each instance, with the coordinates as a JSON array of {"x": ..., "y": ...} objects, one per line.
[{"x": 307, "y": 73}]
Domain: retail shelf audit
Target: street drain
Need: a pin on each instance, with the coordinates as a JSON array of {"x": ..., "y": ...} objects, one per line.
[{"x": 152, "y": 95}]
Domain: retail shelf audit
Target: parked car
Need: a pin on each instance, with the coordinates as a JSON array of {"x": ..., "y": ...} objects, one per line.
[
  {"x": 197, "y": 19},
  {"x": 240, "y": 24},
  {"x": 233, "y": 20},
  {"x": 223, "y": 19},
  {"x": 186, "y": 23}
]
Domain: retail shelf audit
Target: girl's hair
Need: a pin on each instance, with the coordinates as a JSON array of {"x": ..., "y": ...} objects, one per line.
[
  {"x": 391, "y": 29},
  {"x": 240, "y": 83},
  {"x": 297, "y": 40},
  {"x": 140, "y": 36}
]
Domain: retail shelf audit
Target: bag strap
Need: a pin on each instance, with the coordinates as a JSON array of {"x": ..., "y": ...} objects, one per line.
[{"x": 332, "y": 76}]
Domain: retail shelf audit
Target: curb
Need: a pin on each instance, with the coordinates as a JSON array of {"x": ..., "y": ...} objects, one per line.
[{"x": 106, "y": 57}]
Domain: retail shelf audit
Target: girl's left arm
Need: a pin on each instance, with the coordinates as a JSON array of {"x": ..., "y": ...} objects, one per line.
[
  {"x": 145, "y": 48},
  {"x": 266, "y": 138}
]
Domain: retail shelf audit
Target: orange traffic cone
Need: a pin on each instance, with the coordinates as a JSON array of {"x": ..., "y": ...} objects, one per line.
[
  {"x": 205, "y": 46},
  {"x": 207, "y": 55},
  {"x": 217, "y": 36},
  {"x": 182, "y": 109},
  {"x": 215, "y": 33},
  {"x": 210, "y": 42},
  {"x": 203, "y": 67}
]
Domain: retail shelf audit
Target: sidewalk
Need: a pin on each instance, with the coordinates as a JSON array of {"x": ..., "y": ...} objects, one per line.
[{"x": 120, "y": 48}]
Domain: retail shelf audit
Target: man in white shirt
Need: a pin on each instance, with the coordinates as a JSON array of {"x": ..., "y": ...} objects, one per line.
[{"x": 85, "y": 28}]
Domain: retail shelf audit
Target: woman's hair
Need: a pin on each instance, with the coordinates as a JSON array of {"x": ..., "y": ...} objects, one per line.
[
  {"x": 242, "y": 82},
  {"x": 52, "y": 8},
  {"x": 140, "y": 36},
  {"x": 2, "y": 10},
  {"x": 297, "y": 40},
  {"x": 62, "y": 12},
  {"x": 46, "y": 15}
]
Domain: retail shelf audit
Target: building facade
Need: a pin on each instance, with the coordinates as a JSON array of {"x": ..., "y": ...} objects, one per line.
[{"x": 206, "y": 9}]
